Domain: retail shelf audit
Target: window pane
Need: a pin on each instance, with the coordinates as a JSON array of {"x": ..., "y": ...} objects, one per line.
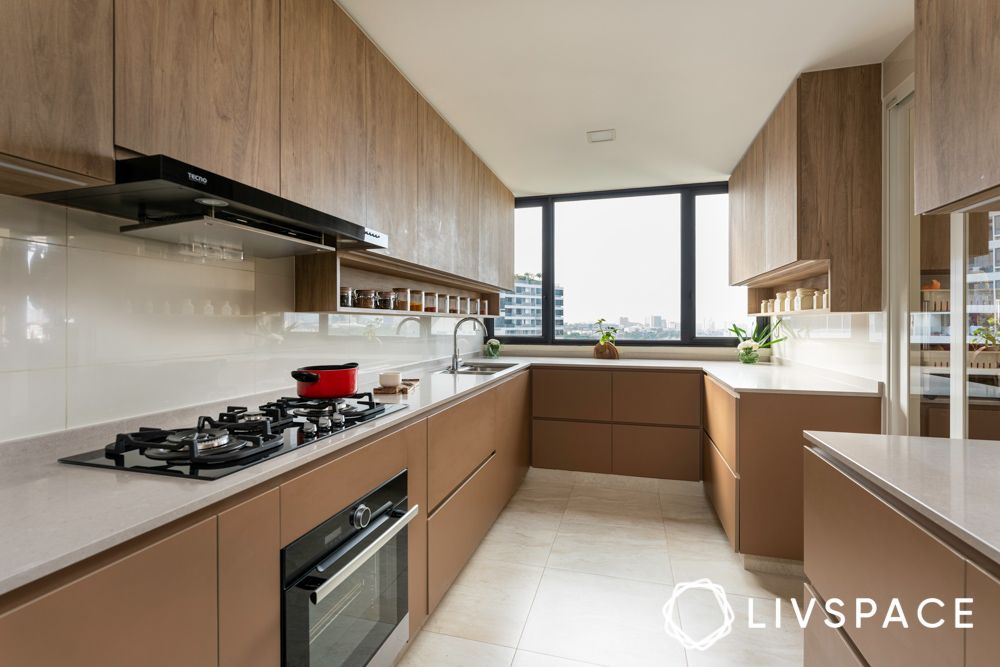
[
  {"x": 619, "y": 259},
  {"x": 717, "y": 305},
  {"x": 521, "y": 312}
]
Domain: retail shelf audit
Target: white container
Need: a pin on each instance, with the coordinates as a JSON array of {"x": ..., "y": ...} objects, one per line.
[{"x": 390, "y": 379}]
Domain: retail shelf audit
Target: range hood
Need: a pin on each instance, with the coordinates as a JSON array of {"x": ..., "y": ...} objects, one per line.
[{"x": 178, "y": 203}]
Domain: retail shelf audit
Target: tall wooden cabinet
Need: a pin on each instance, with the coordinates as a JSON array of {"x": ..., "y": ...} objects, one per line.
[
  {"x": 324, "y": 149},
  {"x": 807, "y": 209},
  {"x": 56, "y": 118},
  {"x": 437, "y": 197},
  {"x": 956, "y": 136}
]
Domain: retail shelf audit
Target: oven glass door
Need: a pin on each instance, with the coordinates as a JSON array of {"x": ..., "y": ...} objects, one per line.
[{"x": 347, "y": 623}]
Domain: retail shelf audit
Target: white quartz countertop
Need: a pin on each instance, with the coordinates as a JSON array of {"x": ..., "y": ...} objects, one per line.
[
  {"x": 53, "y": 515},
  {"x": 955, "y": 484}
]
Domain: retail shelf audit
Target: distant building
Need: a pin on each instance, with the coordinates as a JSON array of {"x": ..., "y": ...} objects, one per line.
[{"x": 521, "y": 311}]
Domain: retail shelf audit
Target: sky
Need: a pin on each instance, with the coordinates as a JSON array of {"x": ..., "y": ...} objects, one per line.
[{"x": 621, "y": 258}]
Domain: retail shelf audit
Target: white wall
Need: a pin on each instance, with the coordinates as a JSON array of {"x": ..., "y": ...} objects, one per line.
[
  {"x": 97, "y": 326},
  {"x": 852, "y": 344}
]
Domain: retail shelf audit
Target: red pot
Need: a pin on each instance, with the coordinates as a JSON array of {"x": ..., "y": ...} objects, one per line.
[{"x": 327, "y": 381}]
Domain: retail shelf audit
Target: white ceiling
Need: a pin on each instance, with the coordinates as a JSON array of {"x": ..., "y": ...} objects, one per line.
[{"x": 686, "y": 83}]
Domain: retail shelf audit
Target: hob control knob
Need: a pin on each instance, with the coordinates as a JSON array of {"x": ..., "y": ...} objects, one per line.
[{"x": 362, "y": 515}]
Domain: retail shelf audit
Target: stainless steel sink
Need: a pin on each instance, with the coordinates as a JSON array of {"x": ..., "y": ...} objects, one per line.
[{"x": 478, "y": 369}]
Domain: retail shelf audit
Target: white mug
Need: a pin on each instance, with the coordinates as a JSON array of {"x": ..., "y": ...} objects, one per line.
[{"x": 390, "y": 378}]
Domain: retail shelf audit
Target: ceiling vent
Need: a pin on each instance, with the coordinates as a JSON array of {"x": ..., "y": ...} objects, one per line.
[{"x": 596, "y": 136}]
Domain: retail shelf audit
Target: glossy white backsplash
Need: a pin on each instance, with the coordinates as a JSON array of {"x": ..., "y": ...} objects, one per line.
[
  {"x": 97, "y": 326},
  {"x": 852, "y": 344}
]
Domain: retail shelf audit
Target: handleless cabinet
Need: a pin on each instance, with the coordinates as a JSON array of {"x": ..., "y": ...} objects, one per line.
[
  {"x": 199, "y": 80},
  {"x": 438, "y": 176},
  {"x": 668, "y": 398},
  {"x": 571, "y": 394},
  {"x": 459, "y": 439},
  {"x": 513, "y": 429},
  {"x": 56, "y": 120},
  {"x": 982, "y": 644},
  {"x": 324, "y": 150},
  {"x": 107, "y": 618}
]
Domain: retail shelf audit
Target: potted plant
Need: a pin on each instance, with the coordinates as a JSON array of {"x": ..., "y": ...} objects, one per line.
[
  {"x": 987, "y": 337},
  {"x": 759, "y": 338},
  {"x": 605, "y": 348}
]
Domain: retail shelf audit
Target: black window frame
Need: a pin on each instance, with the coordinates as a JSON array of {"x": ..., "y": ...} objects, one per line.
[{"x": 688, "y": 193}]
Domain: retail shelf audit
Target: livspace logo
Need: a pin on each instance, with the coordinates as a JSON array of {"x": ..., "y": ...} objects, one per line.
[{"x": 930, "y": 613}]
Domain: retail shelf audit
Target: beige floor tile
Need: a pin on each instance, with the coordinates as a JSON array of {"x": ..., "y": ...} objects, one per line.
[
  {"x": 555, "y": 493},
  {"x": 529, "y": 659},
  {"x": 696, "y": 539},
  {"x": 519, "y": 537},
  {"x": 434, "y": 650},
  {"x": 599, "y": 619},
  {"x": 744, "y": 647},
  {"x": 680, "y": 488},
  {"x": 637, "y": 551},
  {"x": 684, "y": 507},
  {"x": 489, "y": 602},
  {"x": 618, "y": 506},
  {"x": 728, "y": 572},
  {"x": 648, "y": 484},
  {"x": 536, "y": 515},
  {"x": 549, "y": 475}
]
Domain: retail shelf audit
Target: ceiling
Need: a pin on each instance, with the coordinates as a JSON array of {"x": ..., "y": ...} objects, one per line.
[{"x": 686, "y": 83}]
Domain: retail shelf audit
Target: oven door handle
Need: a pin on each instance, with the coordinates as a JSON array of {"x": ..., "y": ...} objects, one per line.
[{"x": 352, "y": 566}]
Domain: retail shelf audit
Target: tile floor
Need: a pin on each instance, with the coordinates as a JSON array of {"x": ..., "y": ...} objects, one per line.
[{"x": 576, "y": 570}]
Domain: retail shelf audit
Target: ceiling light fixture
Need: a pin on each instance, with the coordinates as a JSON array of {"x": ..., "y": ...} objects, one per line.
[{"x": 597, "y": 136}]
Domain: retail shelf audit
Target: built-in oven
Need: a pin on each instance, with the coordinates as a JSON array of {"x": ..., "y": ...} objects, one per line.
[{"x": 344, "y": 584}]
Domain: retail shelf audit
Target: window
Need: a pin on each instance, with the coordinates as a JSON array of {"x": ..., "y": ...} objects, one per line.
[
  {"x": 717, "y": 305},
  {"x": 653, "y": 262}
]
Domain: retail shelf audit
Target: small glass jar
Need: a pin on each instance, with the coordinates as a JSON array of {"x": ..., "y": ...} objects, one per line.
[
  {"x": 484, "y": 307},
  {"x": 443, "y": 303},
  {"x": 346, "y": 297},
  {"x": 826, "y": 298},
  {"x": 430, "y": 302},
  {"x": 364, "y": 298},
  {"x": 805, "y": 298},
  {"x": 453, "y": 304},
  {"x": 385, "y": 299},
  {"x": 763, "y": 306},
  {"x": 416, "y": 301},
  {"x": 473, "y": 306},
  {"x": 402, "y": 296},
  {"x": 770, "y": 306}
]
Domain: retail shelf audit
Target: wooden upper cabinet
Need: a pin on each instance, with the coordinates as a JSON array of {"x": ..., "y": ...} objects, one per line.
[
  {"x": 438, "y": 177},
  {"x": 489, "y": 226},
  {"x": 810, "y": 191},
  {"x": 956, "y": 137},
  {"x": 57, "y": 83},
  {"x": 198, "y": 80},
  {"x": 392, "y": 120},
  {"x": 467, "y": 248},
  {"x": 103, "y": 619},
  {"x": 505, "y": 220},
  {"x": 323, "y": 143}
]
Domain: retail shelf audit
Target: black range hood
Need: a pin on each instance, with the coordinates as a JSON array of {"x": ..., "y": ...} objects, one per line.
[{"x": 178, "y": 203}]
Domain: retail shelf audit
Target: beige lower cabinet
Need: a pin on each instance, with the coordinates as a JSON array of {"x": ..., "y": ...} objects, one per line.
[
  {"x": 656, "y": 451},
  {"x": 982, "y": 641},
  {"x": 107, "y": 617},
  {"x": 858, "y": 546},
  {"x": 826, "y": 646},
  {"x": 249, "y": 566},
  {"x": 722, "y": 488},
  {"x": 513, "y": 429},
  {"x": 459, "y": 438}
]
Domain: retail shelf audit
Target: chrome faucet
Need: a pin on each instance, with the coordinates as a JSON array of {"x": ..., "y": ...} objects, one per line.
[{"x": 456, "y": 360}]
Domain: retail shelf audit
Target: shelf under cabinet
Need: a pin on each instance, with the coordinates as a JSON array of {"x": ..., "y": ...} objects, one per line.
[
  {"x": 403, "y": 313},
  {"x": 785, "y": 313}
]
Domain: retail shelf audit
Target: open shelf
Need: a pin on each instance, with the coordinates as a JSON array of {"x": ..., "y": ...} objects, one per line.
[
  {"x": 786, "y": 313},
  {"x": 403, "y": 313}
]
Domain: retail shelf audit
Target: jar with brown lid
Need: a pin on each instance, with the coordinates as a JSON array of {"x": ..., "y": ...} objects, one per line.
[
  {"x": 346, "y": 297},
  {"x": 364, "y": 298},
  {"x": 385, "y": 299}
]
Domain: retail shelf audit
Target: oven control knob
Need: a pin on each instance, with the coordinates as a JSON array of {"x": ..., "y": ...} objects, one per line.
[{"x": 362, "y": 515}]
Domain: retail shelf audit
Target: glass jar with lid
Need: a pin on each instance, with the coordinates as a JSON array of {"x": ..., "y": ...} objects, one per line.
[
  {"x": 364, "y": 298},
  {"x": 453, "y": 304},
  {"x": 430, "y": 302},
  {"x": 385, "y": 299},
  {"x": 484, "y": 306},
  {"x": 416, "y": 300},
  {"x": 402, "y": 296},
  {"x": 346, "y": 297}
]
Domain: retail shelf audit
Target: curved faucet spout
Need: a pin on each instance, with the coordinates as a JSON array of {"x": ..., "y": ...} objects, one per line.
[{"x": 456, "y": 360}]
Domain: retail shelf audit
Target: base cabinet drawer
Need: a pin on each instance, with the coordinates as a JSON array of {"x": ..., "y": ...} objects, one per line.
[
  {"x": 458, "y": 439},
  {"x": 982, "y": 642},
  {"x": 656, "y": 451},
  {"x": 720, "y": 419},
  {"x": 579, "y": 446},
  {"x": 669, "y": 398},
  {"x": 456, "y": 528},
  {"x": 825, "y": 646},
  {"x": 106, "y": 618},
  {"x": 722, "y": 489},
  {"x": 857, "y": 546},
  {"x": 571, "y": 394}
]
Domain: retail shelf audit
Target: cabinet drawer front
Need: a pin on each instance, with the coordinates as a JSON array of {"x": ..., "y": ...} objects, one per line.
[
  {"x": 513, "y": 429},
  {"x": 858, "y": 546},
  {"x": 458, "y": 440},
  {"x": 571, "y": 394},
  {"x": 458, "y": 526},
  {"x": 656, "y": 451},
  {"x": 720, "y": 420},
  {"x": 314, "y": 497},
  {"x": 826, "y": 646},
  {"x": 571, "y": 445},
  {"x": 721, "y": 487},
  {"x": 670, "y": 398},
  {"x": 103, "y": 619},
  {"x": 982, "y": 644}
]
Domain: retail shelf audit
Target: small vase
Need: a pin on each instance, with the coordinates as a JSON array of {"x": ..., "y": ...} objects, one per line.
[
  {"x": 748, "y": 356},
  {"x": 605, "y": 351},
  {"x": 492, "y": 349}
]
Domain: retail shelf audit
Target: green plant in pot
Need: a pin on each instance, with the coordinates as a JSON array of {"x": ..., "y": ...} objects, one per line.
[
  {"x": 757, "y": 339},
  {"x": 605, "y": 348}
]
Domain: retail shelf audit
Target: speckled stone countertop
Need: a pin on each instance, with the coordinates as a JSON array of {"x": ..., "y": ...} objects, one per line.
[
  {"x": 954, "y": 484},
  {"x": 53, "y": 515}
]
